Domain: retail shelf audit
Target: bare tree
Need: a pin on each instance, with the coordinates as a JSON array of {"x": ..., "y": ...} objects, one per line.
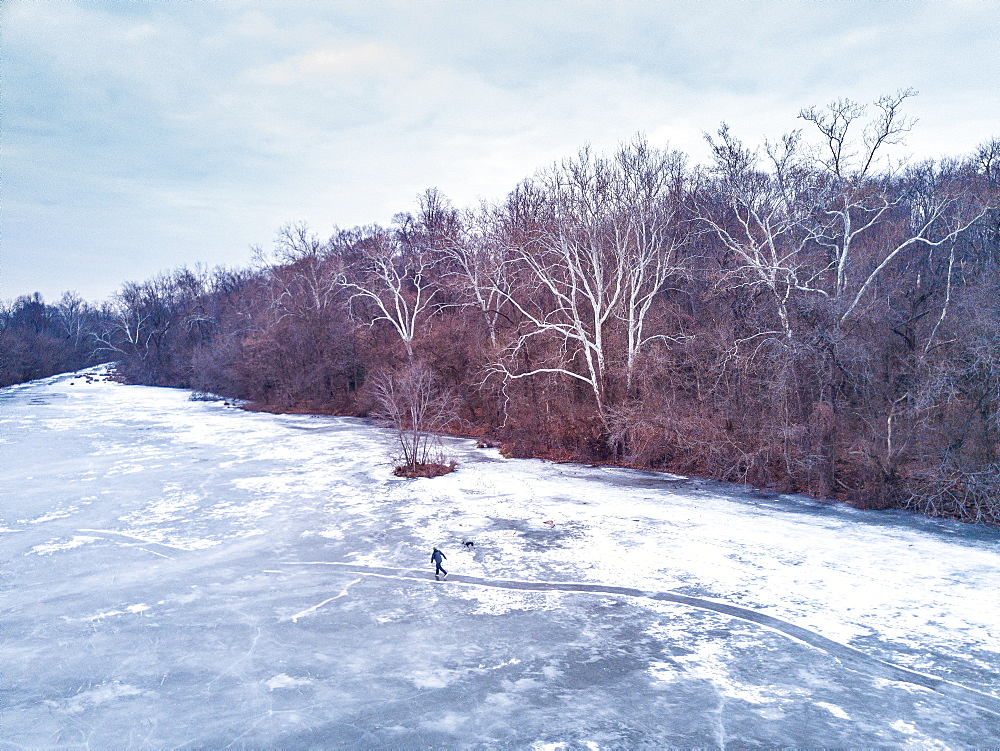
[
  {"x": 397, "y": 284},
  {"x": 304, "y": 275},
  {"x": 475, "y": 259},
  {"x": 590, "y": 243},
  {"x": 301, "y": 350},
  {"x": 418, "y": 409},
  {"x": 566, "y": 285},
  {"x": 76, "y": 317},
  {"x": 137, "y": 324},
  {"x": 855, "y": 202},
  {"x": 764, "y": 224},
  {"x": 649, "y": 236}
]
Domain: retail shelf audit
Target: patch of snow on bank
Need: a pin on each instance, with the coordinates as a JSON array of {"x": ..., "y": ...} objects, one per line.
[
  {"x": 59, "y": 545},
  {"x": 62, "y": 512},
  {"x": 286, "y": 681},
  {"x": 96, "y": 696},
  {"x": 834, "y": 710}
]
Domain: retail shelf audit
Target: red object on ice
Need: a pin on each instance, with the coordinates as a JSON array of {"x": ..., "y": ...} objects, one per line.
[{"x": 549, "y": 522}]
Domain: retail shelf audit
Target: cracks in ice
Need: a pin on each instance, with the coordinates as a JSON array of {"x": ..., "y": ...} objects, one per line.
[
  {"x": 376, "y": 711},
  {"x": 720, "y": 725},
  {"x": 249, "y": 653},
  {"x": 314, "y": 608},
  {"x": 849, "y": 657},
  {"x": 142, "y": 540}
]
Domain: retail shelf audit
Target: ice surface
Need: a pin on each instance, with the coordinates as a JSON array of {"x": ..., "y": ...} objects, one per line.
[{"x": 179, "y": 573}]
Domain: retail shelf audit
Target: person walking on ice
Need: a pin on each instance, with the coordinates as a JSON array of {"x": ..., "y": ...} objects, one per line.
[{"x": 436, "y": 557}]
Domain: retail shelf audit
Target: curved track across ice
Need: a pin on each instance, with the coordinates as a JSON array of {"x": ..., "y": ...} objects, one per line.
[{"x": 852, "y": 658}]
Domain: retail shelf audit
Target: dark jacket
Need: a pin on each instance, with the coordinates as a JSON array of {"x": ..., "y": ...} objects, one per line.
[{"x": 437, "y": 556}]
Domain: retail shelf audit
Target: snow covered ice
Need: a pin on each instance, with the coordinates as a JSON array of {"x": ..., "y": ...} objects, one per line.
[{"x": 178, "y": 573}]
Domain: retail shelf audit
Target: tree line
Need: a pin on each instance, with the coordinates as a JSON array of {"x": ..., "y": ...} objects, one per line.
[
  {"x": 38, "y": 340},
  {"x": 804, "y": 315}
]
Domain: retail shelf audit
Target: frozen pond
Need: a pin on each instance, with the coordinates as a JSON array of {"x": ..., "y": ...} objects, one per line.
[{"x": 179, "y": 573}]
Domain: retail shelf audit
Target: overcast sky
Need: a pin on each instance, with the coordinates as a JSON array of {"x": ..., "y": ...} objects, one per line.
[{"x": 138, "y": 136}]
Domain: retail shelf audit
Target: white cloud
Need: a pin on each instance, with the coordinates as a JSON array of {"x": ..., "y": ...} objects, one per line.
[
  {"x": 191, "y": 130},
  {"x": 331, "y": 64}
]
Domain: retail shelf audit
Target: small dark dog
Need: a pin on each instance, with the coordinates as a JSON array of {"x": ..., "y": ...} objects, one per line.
[{"x": 469, "y": 544}]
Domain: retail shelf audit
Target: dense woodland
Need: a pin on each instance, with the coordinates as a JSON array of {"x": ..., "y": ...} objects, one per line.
[
  {"x": 38, "y": 340},
  {"x": 804, "y": 315}
]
